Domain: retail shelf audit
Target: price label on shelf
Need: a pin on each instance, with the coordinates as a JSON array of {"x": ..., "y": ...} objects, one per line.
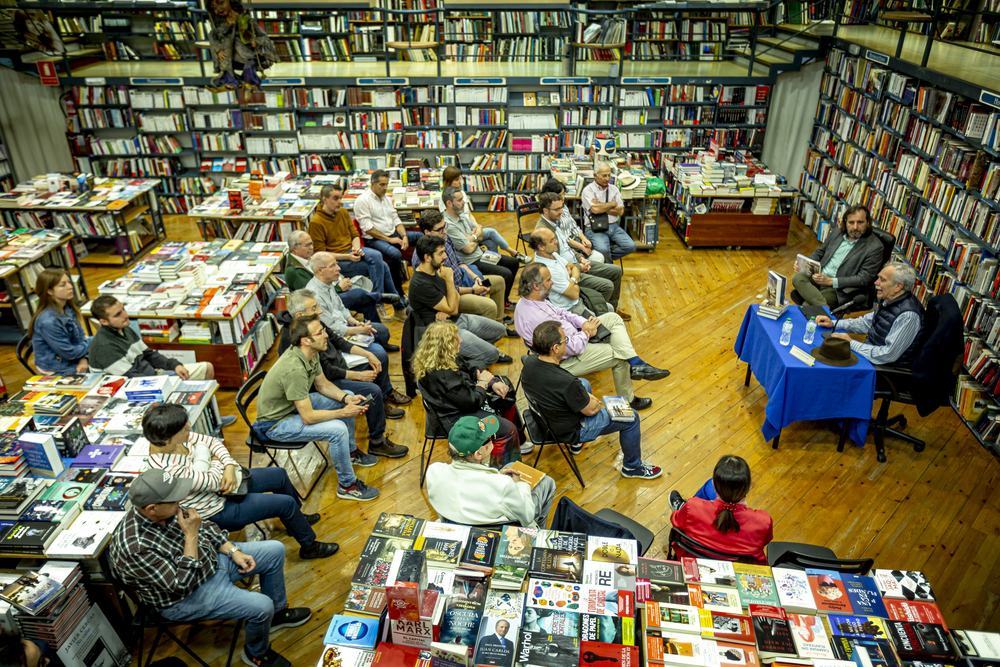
[
  {"x": 876, "y": 57},
  {"x": 986, "y": 97}
]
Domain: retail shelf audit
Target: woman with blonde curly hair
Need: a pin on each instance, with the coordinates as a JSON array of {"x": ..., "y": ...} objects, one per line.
[{"x": 453, "y": 389}]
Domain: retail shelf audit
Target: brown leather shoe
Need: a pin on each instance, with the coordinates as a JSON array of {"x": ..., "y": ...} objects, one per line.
[
  {"x": 397, "y": 398},
  {"x": 622, "y": 314}
]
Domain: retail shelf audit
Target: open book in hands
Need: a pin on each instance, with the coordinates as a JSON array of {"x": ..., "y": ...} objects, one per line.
[
  {"x": 528, "y": 474},
  {"x": 807, "y": 266}
]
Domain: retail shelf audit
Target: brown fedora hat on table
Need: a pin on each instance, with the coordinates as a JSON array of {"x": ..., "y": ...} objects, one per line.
[{"x": 834, "y": 352}]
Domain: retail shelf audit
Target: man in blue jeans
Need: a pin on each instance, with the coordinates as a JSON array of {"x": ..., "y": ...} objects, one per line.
[
  {"x": 186, "y": 569},
  {"x": 575, "y": 415},
  {"x": 602, "y": 197},
  {"x": 296, "y": 403},
  {"x": 384, "y": 231}
]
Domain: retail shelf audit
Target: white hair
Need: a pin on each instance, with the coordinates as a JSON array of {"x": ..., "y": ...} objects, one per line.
[
  {"x": 903, "y": 274},
  {"x": 320, "y": 258},
  {"x": 293, "y": 238},
  {"x": 297, "y": 300},
  {"x": 603, "y": 163}
]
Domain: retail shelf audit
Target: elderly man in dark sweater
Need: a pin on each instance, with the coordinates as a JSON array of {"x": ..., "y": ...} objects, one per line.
[{"x": 371, "y": 379}]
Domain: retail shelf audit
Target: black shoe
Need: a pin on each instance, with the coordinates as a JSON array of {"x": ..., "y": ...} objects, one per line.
[
  {"x": 388, "y": 449},
  {"x": 270, "y": 659},
  {"x": 676, "y": 501},
  {"x": 318, "y": 550},
  {"x": 392, "y": 412},
  {"x": 507, "y": 305},
  {"x": 511, "y": 333},
  {"x": 388, "y": 297},
  {"x": 313, "y": 519},
  {"x": 504, "y": 359},
  {"x": 508, "y": 320},
  {"x": 389, "y": 347},
  {"x": 647, "y": 372},
  {"x": 640, "y": 403},
  {"x": 291, "y": 617}
]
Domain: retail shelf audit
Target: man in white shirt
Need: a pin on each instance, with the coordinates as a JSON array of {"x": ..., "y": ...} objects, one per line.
[
  {"x": 384, "y": 231},
  {"x": 581, "y": 246},
  {"x": 567, "y": 289},
  {"x": 326, "y": 273},
  {"x": 602, "y": 197},
  {"x": 598, "y": 281},
  {"x": 469, "y": 491}
]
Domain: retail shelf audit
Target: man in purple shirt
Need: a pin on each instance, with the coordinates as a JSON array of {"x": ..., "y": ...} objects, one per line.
[{"x": 582, "y": 355}]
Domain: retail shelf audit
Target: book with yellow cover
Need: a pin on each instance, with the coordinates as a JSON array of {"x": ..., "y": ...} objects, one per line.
[{"x": 528, "y": 474}]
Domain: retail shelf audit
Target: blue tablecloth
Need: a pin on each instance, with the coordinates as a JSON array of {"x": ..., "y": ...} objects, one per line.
[{"x": 797, "y": 392}]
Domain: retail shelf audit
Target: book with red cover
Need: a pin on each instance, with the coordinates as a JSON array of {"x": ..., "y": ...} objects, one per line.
[
  {"x": 772, "y": 631},
  {"x": 829, "y": 592},
  {"x": 916, "y": 611},
  {"x": 723, "y": 626},
  {"x": 613, "y": 654},
  {"x": 395, "y": 655}
]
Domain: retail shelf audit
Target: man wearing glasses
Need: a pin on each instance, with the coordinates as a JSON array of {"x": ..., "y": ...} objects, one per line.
[{"x": 477, "y": 295}]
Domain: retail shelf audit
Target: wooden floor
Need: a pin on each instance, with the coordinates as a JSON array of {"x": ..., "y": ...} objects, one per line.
[{"x": 937, "y": 511}]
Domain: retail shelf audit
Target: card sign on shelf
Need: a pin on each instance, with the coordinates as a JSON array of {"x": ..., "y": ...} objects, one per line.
[
  {"x": 287, "y": 81},
  {"x": 95, "y": 81},
  {"x": 564, "y": 81},
  {"x": 384, "y": 81},
  {"x": 481, "y": 81},
  {"x": 143, "y": 81},
  {"x": 876, "y": 57},
  {"x": 986, "y": 97},
  {"x": 645, "y": 80}
]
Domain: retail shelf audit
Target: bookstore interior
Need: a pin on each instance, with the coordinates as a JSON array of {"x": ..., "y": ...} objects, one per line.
[{"x": 168, "y": 153}]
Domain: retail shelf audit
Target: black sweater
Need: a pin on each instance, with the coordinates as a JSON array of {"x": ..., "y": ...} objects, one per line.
[{"x": 453, "y": 394}]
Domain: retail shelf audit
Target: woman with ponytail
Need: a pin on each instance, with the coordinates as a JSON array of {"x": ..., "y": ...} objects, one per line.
[{"x": 725, "y": 523}]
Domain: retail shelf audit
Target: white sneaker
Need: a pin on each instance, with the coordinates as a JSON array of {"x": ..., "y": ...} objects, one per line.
[{"x": 527, "y": 447}]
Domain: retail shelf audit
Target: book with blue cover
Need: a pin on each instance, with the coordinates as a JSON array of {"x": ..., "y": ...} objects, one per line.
[
  {"x": 42, "y": 455},
  {"x": 352, "y": 631},
  {"x": 864, "y": 596}
]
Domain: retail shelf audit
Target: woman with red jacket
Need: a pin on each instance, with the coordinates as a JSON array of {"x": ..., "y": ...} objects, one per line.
[{"x": 725, "y": 523}]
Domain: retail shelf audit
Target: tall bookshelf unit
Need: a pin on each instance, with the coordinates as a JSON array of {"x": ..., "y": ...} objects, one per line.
[{"x": 922, "y": 151}]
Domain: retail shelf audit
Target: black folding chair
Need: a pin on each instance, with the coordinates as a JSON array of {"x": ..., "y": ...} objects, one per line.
[
  {"x": 540, "y": 432},
  {"x": 523, "y": 211},
  {"x": 678, "y": 538},
  {"x": 244, "y": 397},
  {"x": 433, "y": 431},
  {"x": 799, "y": 556},
  {"x": 23, "y": 351}
]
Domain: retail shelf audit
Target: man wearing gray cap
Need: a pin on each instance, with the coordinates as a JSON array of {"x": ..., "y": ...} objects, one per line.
[{"x": 186, "y": 569}]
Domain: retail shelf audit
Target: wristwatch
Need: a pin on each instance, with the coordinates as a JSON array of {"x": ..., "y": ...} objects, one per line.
[
  {"x": 575, "y": 281},
  {"x": 233, "y": 550}
]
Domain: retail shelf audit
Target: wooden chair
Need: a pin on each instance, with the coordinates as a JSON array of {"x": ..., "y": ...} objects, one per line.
[
  {"x": 244, "y": 397},
  {"x": 23, "y": 351},
  {"x": 678, "y": 538},
  {"x": 799, "y": 556}
]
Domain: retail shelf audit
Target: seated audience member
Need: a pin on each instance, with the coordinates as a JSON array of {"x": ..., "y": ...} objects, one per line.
[
  {"x": 575, "y": 415},
  {"x": 452, "y": 176},
  {"x": 333, "y": 231},
  {"x": 476, "y": 295},
  {"x": 725, "y": 523},
  {"x": 117, "y": 349},
  {"x": 467, "y": 238},
  {"x": 469, "y": 491},
  {"x": 57, "y": 339},
  {"x": 567, "y": 290},
  {"x": 582, "y": 355},
  {"x": 296, "y": 403},
  {"x": 453, "y": 389},
  {"x": 186, "y": 569},
  {"x": 602, "y": 197},
  {"x": 18, "y": 652},
  {"x": 893, "y": 328},
  {"x": 582, "y": 246},
  {"x": 326, "y": 275},
  {"x": 369, "y": 379},
  {"x": 176, "y": 449},
  {"x": 384, "y": 231},
  {"x": 849, "y": 260},
  {"x": 433, "y": 298},
  {"x": 597, "y": 281}
]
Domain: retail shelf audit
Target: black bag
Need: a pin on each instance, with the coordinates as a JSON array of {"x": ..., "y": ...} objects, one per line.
[
  {"x": 600, "y": 221},
  {"x": 241, "y": 492}
]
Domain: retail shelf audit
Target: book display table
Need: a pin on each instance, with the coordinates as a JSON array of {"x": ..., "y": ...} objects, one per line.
[
  {"x": 116, "y": 218},
  {"x": 283, "y": 208}
]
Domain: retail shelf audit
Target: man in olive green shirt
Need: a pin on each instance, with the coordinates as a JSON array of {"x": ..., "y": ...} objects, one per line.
[{"x": 296, "y": 403}]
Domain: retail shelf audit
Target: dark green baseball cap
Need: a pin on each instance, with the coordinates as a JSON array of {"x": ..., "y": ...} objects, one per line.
[{"x": 470, "y": 433}]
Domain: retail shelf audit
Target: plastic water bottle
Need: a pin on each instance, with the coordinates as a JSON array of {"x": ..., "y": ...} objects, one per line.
[
  {"x": 810, "y": 331},
  {"x": 786, "y": 332}
]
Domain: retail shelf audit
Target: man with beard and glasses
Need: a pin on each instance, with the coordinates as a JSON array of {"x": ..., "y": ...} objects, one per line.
[{"x": 849, "y": 261}]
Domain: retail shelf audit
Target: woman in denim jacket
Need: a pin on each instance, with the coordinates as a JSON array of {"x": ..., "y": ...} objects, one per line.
[{"x": 58, "y": 341}]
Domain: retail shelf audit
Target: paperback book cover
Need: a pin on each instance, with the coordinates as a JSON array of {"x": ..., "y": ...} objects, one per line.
[
  {"x": 83, "y": 475},
  {"x": 916, "y": 611},
  {"x": 612, "y": 550},
  {"x": 55, "y": 511},
  {"x": 108, "y": 498},
  {"x": 537, "y": 649},
  {"x": 86, "y": 536},
  {"x": 920, "y": 641},
  {"x": 481, "y": 551},
  {"x": 723, "y": 626},
  {"x": 873, "y": 652},
  {"x": 729, "y": 654},
  {"x": 608, "y": 629},
  {"x": 551, "y": 621},
  {"x": 513, "y": 557},
  {"x": 660, "y": 571},
  {"x": 976, "y": 644},
  {"x": 773, "y": 632},
  {"x": 793, "y": 590},
  {"x": 460, "y": 622},
  {"x": 673, "y": 618},
  {"x": 557, "y": 564},
  {"x": 863, "y": 595},
  {"x": 495, "y": 643},
  {"x": 811, "y": 641},
  {"x": 708, "y": 571},
  {"x": 352, "y": 631},
  {"x": 755, "y": 584},
  {"x": 715, "y": 598},
  {"x": 865, "y": 627},
  {"x": 903, "y": 585},
  {"x": 829, "y": 592},
  {"x": 609, "y": 575},
  {"x": 41, "y": 453},
  {"x": 29, "y": 537},
  {"x": 547, "y": 594},
  {"x": 599, "y": 653},
  {"x": 398, "y": 525},
  {"x": 681, "y": 650},
  {"x": 608, "y": 601},
  {"x": 375, "y": 559},
  {"x": 367, "y": 600},
  {"x": 31, "y": 593},
  {"x": 562, "y": 541},
  {"x": 441, "y": 552}
]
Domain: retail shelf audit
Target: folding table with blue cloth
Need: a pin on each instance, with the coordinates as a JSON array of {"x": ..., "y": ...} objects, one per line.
[{"x": 796, "y": 391}]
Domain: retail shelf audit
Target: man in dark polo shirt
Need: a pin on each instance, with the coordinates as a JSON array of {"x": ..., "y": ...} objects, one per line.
[{"x": 296, "y": 403}]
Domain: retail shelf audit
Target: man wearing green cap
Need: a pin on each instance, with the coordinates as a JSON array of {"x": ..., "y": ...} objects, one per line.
[
  {"x": 469, "y": 491},
  {"x": 186, "y": 569}
]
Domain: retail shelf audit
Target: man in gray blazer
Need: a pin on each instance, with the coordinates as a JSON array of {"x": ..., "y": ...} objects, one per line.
[{"x": 850, "y": 258}]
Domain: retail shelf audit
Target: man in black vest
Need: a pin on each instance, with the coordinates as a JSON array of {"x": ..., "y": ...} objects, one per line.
[{"x": 893, "y": 328}]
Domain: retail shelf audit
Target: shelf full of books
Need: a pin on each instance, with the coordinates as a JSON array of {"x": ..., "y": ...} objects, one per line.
[
  {"x": 926, "y": 161},
  {"x": 464, "y": 595}
]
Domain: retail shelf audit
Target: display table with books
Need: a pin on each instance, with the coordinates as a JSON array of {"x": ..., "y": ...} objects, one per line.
[
  {"x": 205, "y": 301},
  {"x": 116, "y": 218},
  {"x": 735, "y": 201},
  {"x": 797, "y": 391},
  {"x": 24, "y": 255},
  {"x": 447, "y": 595}
]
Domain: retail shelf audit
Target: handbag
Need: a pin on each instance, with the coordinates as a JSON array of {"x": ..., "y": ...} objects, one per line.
[
  {"x": 600, "y": 221},
  {"x": 243, "y": 489}
]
